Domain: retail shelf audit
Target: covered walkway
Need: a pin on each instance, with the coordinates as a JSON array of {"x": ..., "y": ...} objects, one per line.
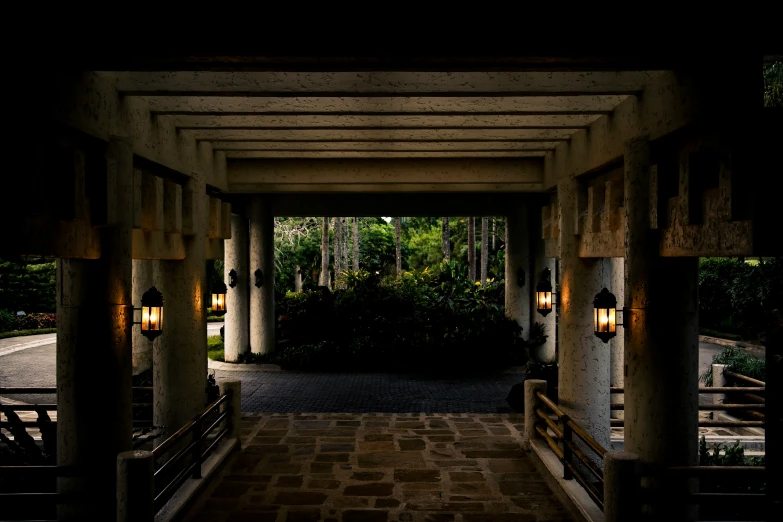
[{"x": 377, "y": 467}]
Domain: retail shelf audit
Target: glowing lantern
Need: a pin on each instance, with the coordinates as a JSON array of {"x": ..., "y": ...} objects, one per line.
[
  {"x": 544, "y": 293},
  {"x": 605, "y": 315},
  {"x": 151, "y": 313},
  {"x": 219, "y": 298}
]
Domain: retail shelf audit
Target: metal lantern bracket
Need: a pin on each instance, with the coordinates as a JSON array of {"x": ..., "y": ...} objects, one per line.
[
  {"x": 232, "y": 278},
  {"x": 259, "y": 274}
]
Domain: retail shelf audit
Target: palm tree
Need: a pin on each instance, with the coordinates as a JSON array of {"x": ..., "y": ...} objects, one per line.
[
  {"x": 484, "y": 249},
  {"x": 446, "y": 240},
  {"x": 398, "y": 250},
  {"x": 325, "y": 253},
  {"x": 472, "y": 249},
  {"x": 356, "y": 244}
]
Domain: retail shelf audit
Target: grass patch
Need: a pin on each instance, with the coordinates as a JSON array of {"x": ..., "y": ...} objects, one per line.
[
  {"x": 737, "y": 361},
  {"x": 215, "y": 350},
  {"x": 21, "y": 333},
  {"x": 720, "y": 335},
  {"x": 215, "y": 318}
]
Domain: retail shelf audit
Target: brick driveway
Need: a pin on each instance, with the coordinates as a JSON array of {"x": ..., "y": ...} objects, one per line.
[
  {"x": 378, "y": 467},
  {"x": 283, "y": 392}
]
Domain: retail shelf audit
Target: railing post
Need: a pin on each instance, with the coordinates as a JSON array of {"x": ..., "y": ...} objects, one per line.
[
  {"x": 531, "y": 387},
  {"x": 235, "y": 404},
  {"x": 622, "y": 484},
  {"x": 567, "y": 437},
  {"x": 196, "y": 454},
  {"x": 718, "y": 381},
  {"x": 135, "y": 487}
]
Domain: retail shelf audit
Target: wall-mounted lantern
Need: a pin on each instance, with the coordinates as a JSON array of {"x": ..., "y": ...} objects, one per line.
[
  {"x": 259, "y": 278},
  {"x": 232, "y": 278},
  {"x": 520, "y": 277},
  {"x": 219, "y": 298},
  {"x": 544, "y": 293},
  {"x": 151, "y": 313},
  {"x": 605, "y": 315}
]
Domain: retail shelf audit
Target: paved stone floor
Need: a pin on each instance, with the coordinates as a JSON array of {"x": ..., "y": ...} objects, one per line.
[
  {"x": 379, "y": 467},
  {"x": 282, "y": 392}
]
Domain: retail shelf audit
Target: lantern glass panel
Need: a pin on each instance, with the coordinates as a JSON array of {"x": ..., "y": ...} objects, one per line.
[
  {"x": 152, "y": 318},
  {"x": 605, "y": 320},
  {"x": 218, "y": 302},
  {"x": 544, "y": 300}
]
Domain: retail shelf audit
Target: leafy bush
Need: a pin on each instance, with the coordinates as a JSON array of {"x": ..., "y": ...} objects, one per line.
[
  {"x": 28, "y": 284},
  {"x": 36, "y": 321},
  {"x": 7, "y": 321},
  {"x": 736, "y": 297},
  {"x": 729, "y": 455},
  {"x": 426, "y": 320},
  {"x": 21, "y": 333},
  {"x": 737, "y": 361}
]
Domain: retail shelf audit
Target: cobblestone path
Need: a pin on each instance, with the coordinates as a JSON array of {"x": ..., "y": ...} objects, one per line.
[
  {"x": 283, "y": 392},
  {"x": 379, "y": 467}
]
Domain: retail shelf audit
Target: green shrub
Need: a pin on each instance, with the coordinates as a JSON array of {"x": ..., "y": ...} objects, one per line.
[
  {"x": 7, "y": 321},
  {"x": 729, "y": 455},
  {"x": 427, "y": 320},
  {"x": 215, "y": 349},
  {"x": 21, "y": 333},
  {"x": 737, "y": 361}
]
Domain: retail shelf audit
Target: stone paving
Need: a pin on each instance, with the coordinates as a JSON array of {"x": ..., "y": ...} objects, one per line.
[{"x": 379, "y": 467}]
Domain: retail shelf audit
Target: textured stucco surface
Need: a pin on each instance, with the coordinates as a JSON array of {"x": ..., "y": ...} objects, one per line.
[
  {"x": 237, "y": 319},
  {"x": 142, "y": 347},
  {"x": 262, "y": 300},
  {"x": 584, "y": 360},
  {"x": 518, "y": 232}
]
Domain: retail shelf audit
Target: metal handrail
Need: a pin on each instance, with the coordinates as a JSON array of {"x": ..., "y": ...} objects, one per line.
[
  {"x": 194, "y": 448},
  {"x": 570, "y": 448}
]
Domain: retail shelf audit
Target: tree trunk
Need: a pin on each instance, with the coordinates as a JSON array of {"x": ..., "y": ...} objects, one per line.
[
  {"x": 344, "y": 243},
  {"x": 446, "y": 239},
  {"x": 472, "y": 249},
  {"x": 484, "y": 249},
  {"x": 494, "y": 235},
  {"x": 356, "y": 244},
  {"x": 399, "y": 249},
  {"x": 337, "y": 256},
  {"x": 298, "y": 279},
  {"x": 325, "y": 252}
]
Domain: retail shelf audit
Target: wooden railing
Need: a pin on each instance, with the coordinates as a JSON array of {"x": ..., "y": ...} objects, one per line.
[
  {"x": 755, "y": 406},
  {"x": 182, "y": 454},
  {"x": 564, "y": 429}
]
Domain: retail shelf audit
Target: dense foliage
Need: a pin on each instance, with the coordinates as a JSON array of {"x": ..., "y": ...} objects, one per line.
[
  {"x": 730, "y": 455},
  {"x": 28, "y": 284},
  {"x": 427, "y": 320},
  {"x": 737, "y": 361},
  {"x": 736, "y": 297},
  {"x": 773, "y": 85}
]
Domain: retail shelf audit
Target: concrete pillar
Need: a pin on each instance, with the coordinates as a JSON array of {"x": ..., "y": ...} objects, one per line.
[
  {"x": 180, "y": 354},
  {"x": 545, "y": 353},
  {"x": 135, "y": 486},
  {"x": 583, "y": 379},
  {"x": 142, "y": 347},
  {"x": 237, "y": 319},
  {"x": 262, "y": 257},
  {"x": 718, "y": 381},
  {"x": 661, "y": 343},
  {"x": 621, "y": 487},
  {"x": 614, "y": 280},
  {"x": 531, "y": 387},
  {"x": 518, "y": 258},
  {"x": 94, "y": 347},
  {"x": 235, "y": 417}
]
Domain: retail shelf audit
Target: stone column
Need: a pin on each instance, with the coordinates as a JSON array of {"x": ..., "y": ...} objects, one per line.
[
  {"x": 262, "y": 257},
  {"x": 94, "y": 347},
  {"x": 142, "y": 347},
  {"x": 614, "y": 280},
  {"x": 180, "y": 354},
  {"x": 661, "y": 342},
  {"x": 237, "y": 319},
  {"x": 621, "y": 487},
  {"x": 583, "y": 378},
  {"x": 546, "y": 352},
  {"x": 518, "y": 257}
]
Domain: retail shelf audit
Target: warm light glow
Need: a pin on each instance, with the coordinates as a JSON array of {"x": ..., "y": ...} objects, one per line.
[
  {"x": 544, "y": 300},
  {"x": 218, "y": 302},
  {"x": 145, "y": 318},
  {"x": 604, "y": 319},
  {"x": 151, "y": 318}
]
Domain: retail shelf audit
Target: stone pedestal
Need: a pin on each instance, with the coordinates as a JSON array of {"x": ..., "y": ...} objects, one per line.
[
  {"x": 235, "y": 417},
  {"x": 135, "y": 486},
  {"x": 518, "y": 258},
  {"x": 621, "y": 487},
  {"x": 584, "y": 360},
  {"x": 531, "y": 387},
  {"x": 94, "y": 352},
  {"x": 661, "y": 344},
  {"x": 237, "y": 318},
  {"x": 262, "y": 257}
]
